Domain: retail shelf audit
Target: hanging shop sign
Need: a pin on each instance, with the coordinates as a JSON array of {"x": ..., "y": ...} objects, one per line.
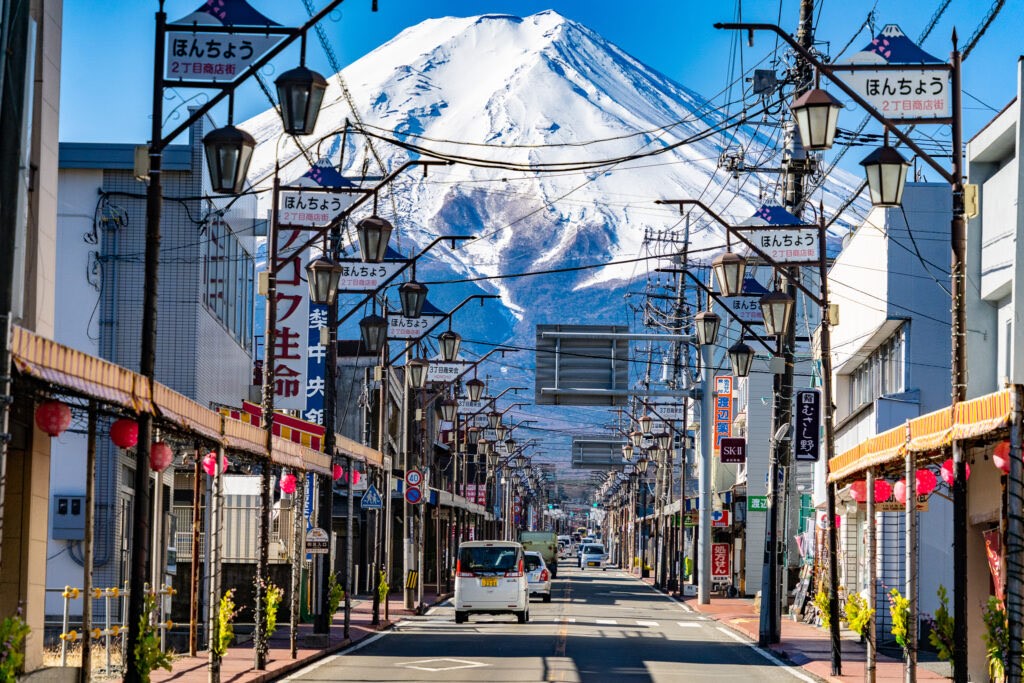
[{"x": 807, "y": 418}]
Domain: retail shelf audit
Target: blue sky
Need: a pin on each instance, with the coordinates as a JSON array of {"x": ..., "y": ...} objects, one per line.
[{"x": 107, "y": 59}]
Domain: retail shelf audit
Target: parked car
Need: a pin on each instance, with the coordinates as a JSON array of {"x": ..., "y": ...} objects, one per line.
[
  {"x": 490, "y": 578},
  {"x": 538, "y": 578},
  {"x": 593, "y": 555}
]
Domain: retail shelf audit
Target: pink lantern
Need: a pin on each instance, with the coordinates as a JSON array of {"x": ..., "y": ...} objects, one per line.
[
  {"x": 947, "y": 472},
  {"x": 883, "y": 490},
  {"x": 899, "y": 491},
  {"x": 859, "y": 491},
  {"x": 337, "y": 472},
  {"x": 926, "y": 482},
  {"x": 53, "y": 417},
  {"x": 210, "y": 464},
  {"x": 124, "y": 433},
  {"x": 160, "y": 456},
  {"x": 1001, "y": 456},
  {"x": 288, "y": 483},
  {"x": 355, "y": 477}
]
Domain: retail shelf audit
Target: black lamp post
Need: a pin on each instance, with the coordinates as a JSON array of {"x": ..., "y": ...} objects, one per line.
[
  {"x": 228, "y": 152},
  {"x": 323, "y": 277},
  {"x": 741, "y": 356},
  {"x": 417, "y": 369},
  {"x": 707, "y": 324},
  {"x": 449, "y": 410},
  {"x": 475, "y": 389},
  {"x": 374, "y": 233},
  {"x": 373, "y": 329},
  {"x": 886, "y": 172},
  {"x": 413, "y": 295},
  {"x": 776, "y": 307},
  {"x": 729, "y": 269},
  {"x": 300, "y": 91},
  {"x": 449, "y": 342},
  {"x": 816, "y": 113}
]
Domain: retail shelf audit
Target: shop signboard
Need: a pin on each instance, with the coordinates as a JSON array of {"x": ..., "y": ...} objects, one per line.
[{"x": 721, "y": 560}]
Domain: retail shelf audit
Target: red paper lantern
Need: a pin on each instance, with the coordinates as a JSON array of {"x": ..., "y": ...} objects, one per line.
[
  {"x": 288, "y": 483},
  {"x": 337, "y": 472},
  {"x": 926, "y": 482},
  {"x": 160, "y": 456},
  {"x": 883, "y": 490},
  {"x": 947, "y": 472},
  {"x": 1001, "y": 456},
  {"x": 355, "y": 477},
  {"x": 124, "y": 433},
  {"x": 210, "y": 464},
  {"x": 859, "y": 491},
  {"x": 53, "y": 417},
  {"x": 899, "y": 491}
]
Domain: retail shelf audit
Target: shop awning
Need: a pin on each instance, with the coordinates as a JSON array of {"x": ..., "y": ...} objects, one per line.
[
  {"x": 975, "y": 419},
  {"x": 187, "y": 414}
]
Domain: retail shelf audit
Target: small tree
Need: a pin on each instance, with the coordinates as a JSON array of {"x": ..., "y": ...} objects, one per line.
[
  {"x": 899, "y": 610},
  {"x": 226, "y": 614},
  {"x": 858, "y": 613},
  {"x": 941, "y": 634},
  {"x": 13, "y": 631}
]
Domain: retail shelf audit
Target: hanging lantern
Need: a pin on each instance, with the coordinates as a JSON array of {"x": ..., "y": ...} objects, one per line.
[
  {"x": 337, "y": 472},
  {"x": 741, "y": 357},
  {"x": 300, "y": 92},
  {"x": 355, "y": 477},
  {"x": 210, "y": 464},
  {"x": 817, "y": 115},
  {"x": 373, "y": 329},
  {"x": 899, "y": 491},
  {"x": 449, "y": 408},
  {"x": 413, "y": 295},
  {"x": 228, "y": 152},
  {"x": 288, "y": 483},
  {"x": 707, "y": 324},
  {"x": 160, "y": 456},
  {"x": 124, "y": 432},
  {"x": 926, "y": 482},
  {"x": 886, "y": 172},
  {"x": 374, "y": 233},
  {"x": 948, "y": 471},
  {"x": 1001, "y": 456},
  {"x": 449, "y": 342},
  {"x": 776, "y": 308},
  {"x": 475, "y": 389},
  {"x": 645, "y": 423},
  {"x": 859, "y": 491},
  {"x": 729, "y": 269},
  {"x": 323, "y": 276},
  {"x": 883, "y": 490},
  {"x": 53, "y": 417},
  {"x": 418, "y": 371},
  {"x": 473, "y": 436}
]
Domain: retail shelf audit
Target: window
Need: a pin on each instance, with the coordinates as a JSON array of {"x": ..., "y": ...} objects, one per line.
[
  {"x": 881, "y": 373},
  {"x": 229, "y": 275}
]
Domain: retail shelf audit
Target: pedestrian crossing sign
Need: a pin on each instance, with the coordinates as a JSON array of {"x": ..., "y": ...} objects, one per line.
[{"x": 371, "y": 499}]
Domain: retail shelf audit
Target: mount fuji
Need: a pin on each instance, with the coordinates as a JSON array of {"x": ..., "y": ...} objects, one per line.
[{"x": 502, "y": 93}]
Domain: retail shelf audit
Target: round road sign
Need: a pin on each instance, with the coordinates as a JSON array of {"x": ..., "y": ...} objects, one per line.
[
  {"x": 413, "y": 478},
  {"x": 413, "y": 495}
]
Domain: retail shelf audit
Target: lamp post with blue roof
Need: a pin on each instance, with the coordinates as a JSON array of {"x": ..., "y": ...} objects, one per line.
[{"x": 939, "y": 82}]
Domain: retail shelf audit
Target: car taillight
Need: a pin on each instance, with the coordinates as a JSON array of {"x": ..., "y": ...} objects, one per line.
[
  {"x": 518, "y": 572},
  {"x": 544, "y": 576},
  {"x": 459, "y": 572}
]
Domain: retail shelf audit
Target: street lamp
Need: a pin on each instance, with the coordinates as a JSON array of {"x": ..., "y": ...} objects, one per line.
[
  {"x": 373, "y": 329},
  {"x": 500, "y": 432},
  {"x": 475, "y": 388},
  {"x": 776, "y": 307},
  {"x": 664, "y": 441},
  {"x": 493, "y": 419},
  {"x": 323, "y": 276},
  {"x": 741, "y": 356},
  {"x": 886, "y": 171},
  {"x": 510, "y": 444},
  {"x": 228, "y": 152},
  {"x": 413, "y": 295},
  {"x": 627, "y": 452},
  {"x": 817, "y": 114},
  {"x": 449, "y": 342},
  {"x": 300, "y": 91},
  {"x": 707, "y": 324},
  {"x": 417, "y": 368},
  {"x": 449, "y": 409},
  {"x": 374, "y": 233},
  {"x": 645, "y": 424},
  {"x": 642, "y": 464},
  {"x": 729, "y": 269},
  {"x": 637, "y": 437}
]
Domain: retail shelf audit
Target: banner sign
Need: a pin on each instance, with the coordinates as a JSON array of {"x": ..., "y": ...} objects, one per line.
[
  {"x": 312, "y": 208},
  {"x": 746, "y": 308},
  {"x": 807, "y": 440},
  {"x": 360, "y": 277},
  {"x": 723, "y": 409},
  {"x": 439, "y": 371},
  {"x": 668, "y": 411},
  {"x": 733, "y": 450},
  {"x": 721, "y": 562},
  {"x": 220, "y": 57},
  {"x": 757, "y": 503},
  {"x": 467, "y": 407},
  {"x": 400, "y": 327},
  {"x": 786, "y": 246},
  {"x": 291, "y": 330}
]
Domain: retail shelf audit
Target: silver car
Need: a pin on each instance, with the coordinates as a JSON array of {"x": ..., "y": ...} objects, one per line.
[
  {"x": 538, "y": 576},
  {"x": 592, "y": 555}
]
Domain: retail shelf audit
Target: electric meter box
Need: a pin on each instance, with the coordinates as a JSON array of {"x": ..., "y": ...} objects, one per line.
[{"x": 68, "y": 517}]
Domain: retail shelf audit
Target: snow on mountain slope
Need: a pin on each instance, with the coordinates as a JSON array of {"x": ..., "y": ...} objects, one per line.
[{"x": 530, "y": 90}]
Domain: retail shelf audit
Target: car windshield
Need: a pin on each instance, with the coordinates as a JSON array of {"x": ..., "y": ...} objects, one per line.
[
  {"x": 487, "y": 559},
  {"x": 593, "y": 550},
  {"x": 532, "y": 562}
]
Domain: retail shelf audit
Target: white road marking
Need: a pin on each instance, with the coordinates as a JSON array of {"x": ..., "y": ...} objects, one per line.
[
  {"x": 689, "y": 624},
  {"x": 326, "y": 660},
  {"x": 607, "y": 622},
  {"x": 641, "y": 622},
  {"x": 569, "y": 620},
  {"x": 446, "y": 664},
  {"x": 767, "y": 654}
]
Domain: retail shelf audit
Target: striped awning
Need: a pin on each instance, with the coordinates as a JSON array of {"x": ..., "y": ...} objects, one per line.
[
  {"x": 48, "y": 361},
  {"x": 975, "y": 419},
  {"x": 187, "y": 414}
]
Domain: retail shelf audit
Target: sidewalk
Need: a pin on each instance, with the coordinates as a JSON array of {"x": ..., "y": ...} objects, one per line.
[
  {"x": 236, "y": 666},
  {"x": 804, "y": 645}
]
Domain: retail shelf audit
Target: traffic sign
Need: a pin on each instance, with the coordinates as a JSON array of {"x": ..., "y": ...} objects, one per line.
[
  {"x": 413, "y": 495},
  {"x": 413, "y": 478},
  {"x": 317, "y": 541},
  {"x": 371, "y": 499}
]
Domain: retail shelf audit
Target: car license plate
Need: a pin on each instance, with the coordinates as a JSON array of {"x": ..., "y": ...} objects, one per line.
[
  {"x": 489, "y": 582},
  {"x": 593, "y": 564}
]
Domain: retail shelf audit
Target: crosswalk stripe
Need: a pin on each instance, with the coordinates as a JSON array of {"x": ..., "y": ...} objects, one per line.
[
  {"x": 640, "y": 622},
  {"x": 689, "y": 624}
]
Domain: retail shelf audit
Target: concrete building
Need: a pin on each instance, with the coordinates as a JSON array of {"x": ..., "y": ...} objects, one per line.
[
  {"x": 890, "y": 354},
  {"x": 31, "y": 63}
]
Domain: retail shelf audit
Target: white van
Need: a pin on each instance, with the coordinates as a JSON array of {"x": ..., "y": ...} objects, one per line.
[{"x": 490, "y": 579}]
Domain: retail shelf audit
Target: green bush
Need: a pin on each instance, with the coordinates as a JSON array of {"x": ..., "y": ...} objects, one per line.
[
  {"x": 226, "y": 614},
  {"x": 941, "y": 634},
  {"x": 899, "y": 610},
  {"x": 858, "y": 613},
  {"x": 13, "y": 631},
  {"x": 335, "y": 594},
  {"x": 272, "y": 598},
  {"x": 996, "y": 637},
  {"x": 148, "y": 654},
  {"x": 822, "y": 601}
]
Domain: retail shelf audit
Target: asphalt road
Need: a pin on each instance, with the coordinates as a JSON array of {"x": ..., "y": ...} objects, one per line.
[{"x": 599, "y": 626}]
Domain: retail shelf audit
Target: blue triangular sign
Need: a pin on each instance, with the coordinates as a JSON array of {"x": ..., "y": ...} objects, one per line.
[{"x": 371, "y": 499}]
